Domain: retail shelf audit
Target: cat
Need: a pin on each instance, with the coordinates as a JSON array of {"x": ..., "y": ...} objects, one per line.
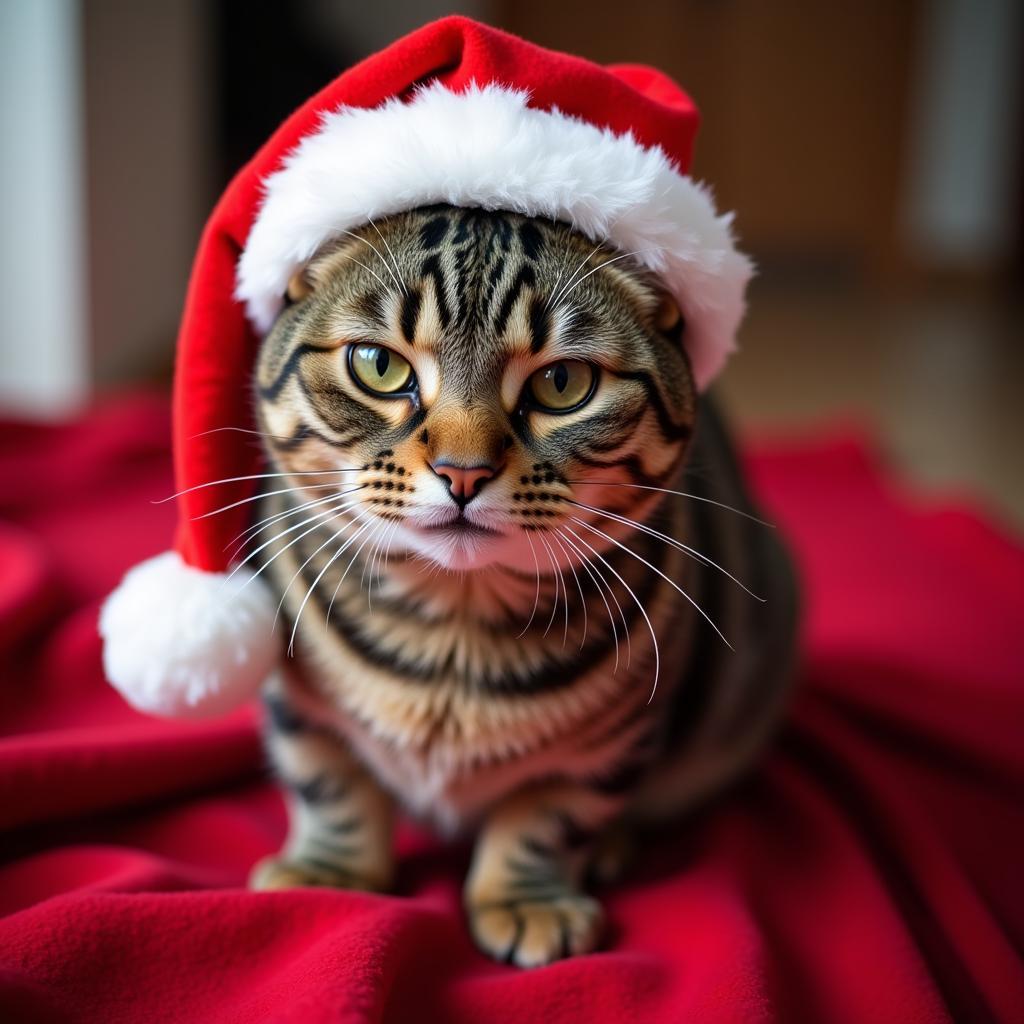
[{"x": 526, "y": 593}]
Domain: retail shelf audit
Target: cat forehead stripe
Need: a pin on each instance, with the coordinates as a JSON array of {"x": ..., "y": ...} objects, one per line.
[{"x": 487, "y": 147}]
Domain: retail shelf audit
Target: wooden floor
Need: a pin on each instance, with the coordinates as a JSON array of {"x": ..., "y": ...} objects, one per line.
[{"x": 937, "y": 377}]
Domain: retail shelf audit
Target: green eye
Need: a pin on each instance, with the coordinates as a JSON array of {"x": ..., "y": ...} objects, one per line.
[
  {"x": 564, "y": 385},
  {"x": 379, "y": 369}
]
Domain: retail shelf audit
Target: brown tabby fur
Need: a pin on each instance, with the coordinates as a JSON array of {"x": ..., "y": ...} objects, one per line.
[{"x": 536, "y": 666}]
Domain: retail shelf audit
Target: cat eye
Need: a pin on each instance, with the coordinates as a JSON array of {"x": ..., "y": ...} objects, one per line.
[
  {"x": 562, "y": 386},
  {"x": 379, "y": 370}
]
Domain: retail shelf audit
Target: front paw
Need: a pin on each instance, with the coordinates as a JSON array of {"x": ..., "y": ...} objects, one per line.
[
  {"x": 536, "y": 931},
  {"x": 296, "y": 873}
]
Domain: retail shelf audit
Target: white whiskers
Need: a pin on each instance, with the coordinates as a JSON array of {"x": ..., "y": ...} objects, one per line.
[
  {"x": 295, "y": 576},
  {"x": 351, "y": 562},
  {"x": 387, "y": 266},
  {"x": 253, "y": 476},
  {"x": 557, "y": 539},
  {"x": 337, "y": 554},
  {"x": 636, "y": 600},
  {"x": 387, "y": 535},
  {"x": 398, "y": 273},
  {"x": 555, "y": 296},
  {"x": 536, "y": 596},
  {"x": 629, "y": 551},
  {"x": 259, "y": 497},
  {"x": 566, "y": 292},
  {"x": 559, "y": 580},
  {"x": 332, "y": 513},
  {"x": 667, "y": 539},
  {"x": 261, "y": 525},
  {"x": 681, "y": 494},
  {"x": 600, "y": 584}
]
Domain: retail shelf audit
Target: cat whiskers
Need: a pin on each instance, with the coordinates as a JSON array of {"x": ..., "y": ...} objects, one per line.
[
  {"x": 556, "y": 538},
  {"x": 375, "y": 559},
  {"x": 536, "y": 596},
  {"x": 369, "y": 270},
  {"x": 333, "y": 513},
  {"x": 260, "y": 526},
  {"x": 680, "y": 494},
  {"x": 398, "y": 273},
  {"x": 337, "y": 554},
  {"x": 254, "y": 476},
  {"x": 558, "y": 579},
  {"x": 629, "y": 590},
  {"x": 387, "y": 550},
  {"x": 665, "y": 538},
  {"x": 366, "y": 577},
  {"x": 379, "y": 526},
  {"x": 387, "y": 266},
  {"x": 600, "y": 584},
  {"x": 259, "y": 497},
  {"x": 250, "y": 533},
  {"x": 629, "y": 551},
  {"x": 243, "y": 430},
  {"x": 566, "y": 292},
  {"x": 560, "y": 295},
  {"x": 707, "y": 618},
  {"x": 309, "y": 591},
  {"x": 556, "y": 295}
]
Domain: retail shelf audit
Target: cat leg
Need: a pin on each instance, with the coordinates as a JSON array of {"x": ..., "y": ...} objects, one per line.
[
  {"x": 340, "y": 820},
  {"x": 524, "y": 897}
]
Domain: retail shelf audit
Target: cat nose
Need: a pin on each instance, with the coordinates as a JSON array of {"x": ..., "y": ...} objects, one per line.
[{"x": 464, "y": 482}]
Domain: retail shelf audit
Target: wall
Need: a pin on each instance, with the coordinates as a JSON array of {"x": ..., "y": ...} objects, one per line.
[{"x": 44, "y": 366}]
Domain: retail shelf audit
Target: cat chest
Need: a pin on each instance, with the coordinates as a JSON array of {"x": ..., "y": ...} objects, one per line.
[{"x": 447, "y": 761}]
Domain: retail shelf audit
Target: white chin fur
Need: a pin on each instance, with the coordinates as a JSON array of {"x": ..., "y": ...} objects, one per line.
[
  {"x": 469, "y": 553},
  {"x": 186, "y": 643}
]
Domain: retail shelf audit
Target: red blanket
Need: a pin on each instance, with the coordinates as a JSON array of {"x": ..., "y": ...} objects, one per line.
[{"x": 870, "y": 872}]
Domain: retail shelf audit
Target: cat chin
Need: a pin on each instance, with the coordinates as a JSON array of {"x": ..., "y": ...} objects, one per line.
[
  {"x": 467, "y": 552},
  {"x": 461, "y": 559},
  {"x": 456, "y": 551},
  {"x": 470, "y": 554}
]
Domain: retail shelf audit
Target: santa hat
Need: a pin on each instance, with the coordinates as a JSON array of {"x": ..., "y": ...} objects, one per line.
[{"x": 454, "y": 113}]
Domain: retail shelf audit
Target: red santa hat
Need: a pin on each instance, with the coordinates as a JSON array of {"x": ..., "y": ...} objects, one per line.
[{"x": 457, "y": 113}]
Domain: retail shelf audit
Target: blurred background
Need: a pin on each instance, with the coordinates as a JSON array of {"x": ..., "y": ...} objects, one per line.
[{"x": 872, "y": 149}]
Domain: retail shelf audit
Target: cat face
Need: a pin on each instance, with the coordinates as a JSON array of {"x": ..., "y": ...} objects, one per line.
[{"x": 481, "y": 382}]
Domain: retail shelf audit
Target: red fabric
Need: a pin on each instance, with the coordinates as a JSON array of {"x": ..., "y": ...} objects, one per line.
[
  {"x": 217, "y": 348},
  {"x": 869, "y": 871}
]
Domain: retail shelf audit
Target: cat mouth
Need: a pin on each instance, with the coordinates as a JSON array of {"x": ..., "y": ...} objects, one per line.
[{"x": 460, "y": 526}]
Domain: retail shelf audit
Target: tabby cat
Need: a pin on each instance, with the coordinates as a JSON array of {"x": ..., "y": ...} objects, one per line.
[{"x": 516, "y": 562}]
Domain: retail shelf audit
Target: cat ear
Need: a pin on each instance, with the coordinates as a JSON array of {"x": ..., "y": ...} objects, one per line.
[
  {"x": 300, "y": 285},
  {"x": 668, "y": 317}
]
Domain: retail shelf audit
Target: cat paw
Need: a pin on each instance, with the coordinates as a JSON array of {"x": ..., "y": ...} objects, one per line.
[
  {"x": 286, "y": 873},
  {"x": 534, "y": 932}
]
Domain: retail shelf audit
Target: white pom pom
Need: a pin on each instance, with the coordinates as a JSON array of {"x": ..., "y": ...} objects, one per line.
[{"x": 182, "y": 642}]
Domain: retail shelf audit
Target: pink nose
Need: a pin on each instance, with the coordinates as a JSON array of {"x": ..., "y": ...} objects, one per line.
[{"x": 464, "y": 482}]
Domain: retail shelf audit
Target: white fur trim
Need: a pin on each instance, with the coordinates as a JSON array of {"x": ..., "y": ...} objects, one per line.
[
  {"x": 485, "y": 147},
  {"x": 182, "y": 642}
]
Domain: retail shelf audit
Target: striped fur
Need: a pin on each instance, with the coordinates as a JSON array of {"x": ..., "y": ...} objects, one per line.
[{"x": 500, "y": 674}]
